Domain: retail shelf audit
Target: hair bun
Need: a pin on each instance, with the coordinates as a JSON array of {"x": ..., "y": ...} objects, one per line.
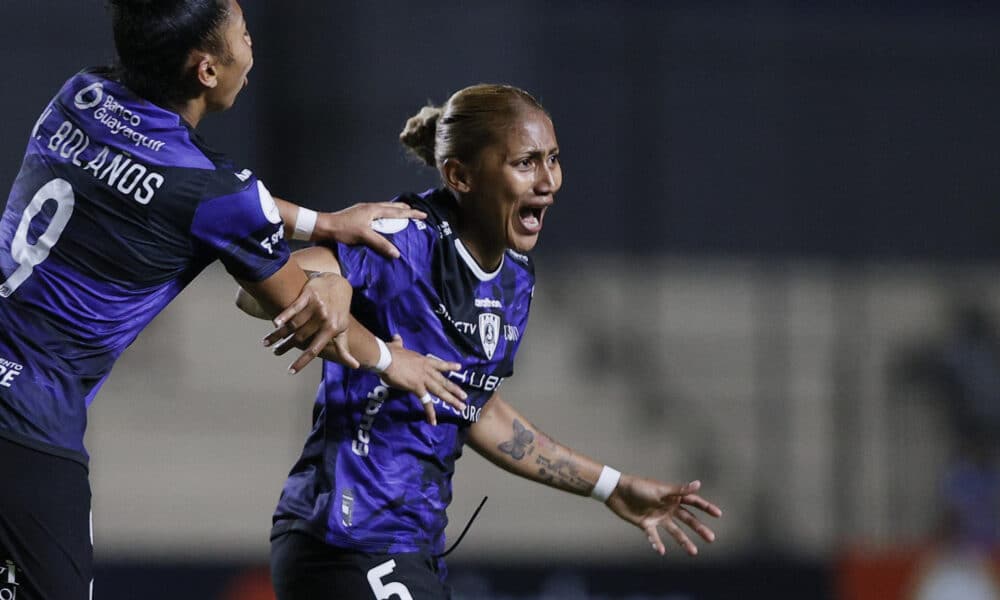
[{"x": 419, "y": 134}]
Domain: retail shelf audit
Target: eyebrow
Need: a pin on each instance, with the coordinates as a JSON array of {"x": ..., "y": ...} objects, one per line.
[{"x": 535, "y": 152}]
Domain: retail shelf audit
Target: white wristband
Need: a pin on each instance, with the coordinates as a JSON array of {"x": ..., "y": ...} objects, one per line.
[
  {"x": 384, "y": 357},
  {"x": 606, "y": 484},
  {"x": 305, "y": 222}
]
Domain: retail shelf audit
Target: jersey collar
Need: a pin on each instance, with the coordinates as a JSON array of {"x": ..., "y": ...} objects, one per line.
[{"x": 474, "y": 266}]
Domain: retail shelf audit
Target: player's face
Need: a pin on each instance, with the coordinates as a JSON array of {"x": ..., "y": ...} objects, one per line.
[
  {"x": 516, "y": 180},
  {"x": 232, "y": 77}
]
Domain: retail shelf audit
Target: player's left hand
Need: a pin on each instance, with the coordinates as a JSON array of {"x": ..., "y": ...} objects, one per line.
[
  {"x": 353, "y": 225},
  {"x": 316, "y": 319},
  {"x": 649, "y": 505},
  {"x": 424, "y": 376}
]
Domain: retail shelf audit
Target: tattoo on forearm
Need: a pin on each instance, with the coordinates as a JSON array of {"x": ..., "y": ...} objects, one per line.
[
  {"x": 562, "y": 473},
  {"x": 517, "y": 446}
]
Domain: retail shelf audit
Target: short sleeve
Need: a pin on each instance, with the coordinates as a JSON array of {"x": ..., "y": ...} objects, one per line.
[
  {"x": 379, "y": 278},
  {"x": 244, "y": 230}
]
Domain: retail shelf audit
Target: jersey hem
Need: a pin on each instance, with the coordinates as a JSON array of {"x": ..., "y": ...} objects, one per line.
[
  {"x": 22, "y": 440},
  {"x": 302, "y": 526}
]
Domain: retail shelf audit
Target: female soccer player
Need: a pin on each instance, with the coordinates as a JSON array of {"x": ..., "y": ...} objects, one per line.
[
  {"x": 362, "y": 514},
  {"x": 118, "y": 205}
]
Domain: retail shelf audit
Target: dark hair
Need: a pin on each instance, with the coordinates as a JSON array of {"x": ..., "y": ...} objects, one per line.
[
  {"x": 468, "y": 121},
  {"x": 154, "y": 39}
]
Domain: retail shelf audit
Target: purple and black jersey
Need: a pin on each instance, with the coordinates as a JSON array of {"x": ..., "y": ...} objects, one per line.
[
  {"x": 374, "y": 475},
  {"x": 118, "y": 206}
]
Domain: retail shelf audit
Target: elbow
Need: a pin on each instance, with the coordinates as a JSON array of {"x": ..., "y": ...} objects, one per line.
[{"x": 247, "y": 303}]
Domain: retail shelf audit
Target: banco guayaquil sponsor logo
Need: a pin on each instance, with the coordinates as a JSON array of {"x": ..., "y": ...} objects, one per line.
[
  {"x": 90, "y": 96},
  {"x": 8, "y": 580}
]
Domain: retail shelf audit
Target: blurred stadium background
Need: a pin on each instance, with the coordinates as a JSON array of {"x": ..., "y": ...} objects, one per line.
[{"x": 772, "y": 266}]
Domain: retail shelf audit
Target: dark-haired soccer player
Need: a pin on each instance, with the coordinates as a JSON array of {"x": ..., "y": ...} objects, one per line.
[
  {"x": 362, "y": 514},
  {"x": 118, "y": 205}
]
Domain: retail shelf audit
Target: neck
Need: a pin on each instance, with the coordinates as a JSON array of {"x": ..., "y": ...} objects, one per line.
[
  {"x": 192, "y": 110},
  {"x": 487, "y": 252}
]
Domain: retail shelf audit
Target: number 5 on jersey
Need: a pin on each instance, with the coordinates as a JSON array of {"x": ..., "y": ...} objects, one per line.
[
  {"x": 386, "y": 591},
  {"x": 28, "y": 256}
]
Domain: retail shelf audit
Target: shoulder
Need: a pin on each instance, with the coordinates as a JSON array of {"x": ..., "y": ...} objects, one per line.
[
  {"x": 427, "y": 232},
  {"x": 113, "y": 116},
  {"x": 521, "y": 262},
  {"x": 226, "y": 181},
  {"x": 226, "y": 197}
]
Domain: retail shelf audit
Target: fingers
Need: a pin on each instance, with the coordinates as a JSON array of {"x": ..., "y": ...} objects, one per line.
[
  {"x": 443, "y": 366},
  {"x": 674, "y": 512},
  {"x": 300, "y": 363},
  {"x": 292, "y": 336},
  {"x": 687, "y": 488},
  {"x": 397, "y": 210},
  {"x": 685, "y": 516},
  {"x": 654, "y": 539},
  {"x": 442, "y": 387},
  {"x": 388, "y": 210},
  {"x": 686, "y": 492},
  {"x": 701, "y": 504},
  {"x": 428, "y": 402},
  {"x": 319, "y": 343},
  {"x": 292, "y": 309},
  {"x": 284, "y": 323},
  {"x": 437, "y": 387},
  {"x": 379, "y": 244},
  {"x": 449, "y": 394},
  {"x": 680, "y": 537},
  {"x": 426, "y": 377}
]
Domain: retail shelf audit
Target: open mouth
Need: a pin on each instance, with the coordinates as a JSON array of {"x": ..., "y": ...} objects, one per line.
[{"x": 530, "y": 218}]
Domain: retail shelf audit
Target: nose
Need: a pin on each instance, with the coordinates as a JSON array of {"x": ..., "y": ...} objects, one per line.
[{"x": 546, "y": 180}]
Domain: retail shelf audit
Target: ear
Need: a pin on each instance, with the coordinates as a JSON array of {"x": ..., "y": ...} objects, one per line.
[
  {"x": 456, "y": 175},
  {"x": 205, "y": 68}
]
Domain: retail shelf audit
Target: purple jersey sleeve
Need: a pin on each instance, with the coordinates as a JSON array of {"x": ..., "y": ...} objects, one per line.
[
  {"x": 244, "y": 230},
  {"x": 377, "y": 277}
]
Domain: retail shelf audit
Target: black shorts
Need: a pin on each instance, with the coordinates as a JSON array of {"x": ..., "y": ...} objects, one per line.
[
  {"x": 46, "y": 551},
  {"x": 304, "y": 568}
]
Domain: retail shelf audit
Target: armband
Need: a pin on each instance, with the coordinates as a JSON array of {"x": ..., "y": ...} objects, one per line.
[
  {"x": 606, "y": 484},
  {"x": 305, "y": 222}
]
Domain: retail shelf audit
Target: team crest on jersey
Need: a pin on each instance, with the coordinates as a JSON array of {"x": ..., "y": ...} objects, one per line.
[{"x": 489, "y": 331}]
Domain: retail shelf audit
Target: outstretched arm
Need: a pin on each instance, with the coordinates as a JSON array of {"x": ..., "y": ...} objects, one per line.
[
  {"x": 352, "y": 225},
  {"x": 406, "y": 370},
  {"x": 312, "y": 312},
  {"x": 504, "y": 437}
]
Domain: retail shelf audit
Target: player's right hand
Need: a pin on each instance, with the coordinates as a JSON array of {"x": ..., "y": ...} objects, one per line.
[
  {"x": 353, "y": 225},
  {"x": 426, "y": 377},
  {"x": 316, "y": 319}
]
